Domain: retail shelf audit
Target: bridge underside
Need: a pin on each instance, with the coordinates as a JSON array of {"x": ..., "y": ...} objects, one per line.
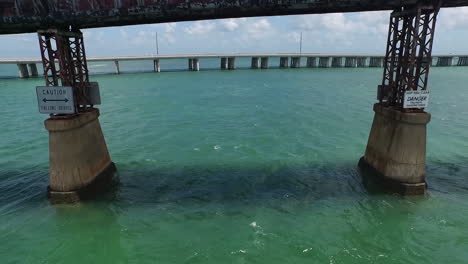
[
  {"x": 25, "y": 16},
  {"x": 396, "y": 149}
]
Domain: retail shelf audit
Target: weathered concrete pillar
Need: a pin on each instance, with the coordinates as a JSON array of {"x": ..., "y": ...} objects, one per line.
[
  {"x": 295, "y": 62},
  {"x": 325, "y": 62},
  {"x": 445, "y": 61},
  {"x": 284, "y": 61},
  {"x": 376, "y": 62},
  {"x": 224, "y": 64},
  {"x": 311, "y": 62},
  {"x": 33, "y": 70},
  {"x": 232, "y": 63},
  {"x": 156, "y": 65},
  {"x": 117, "y": 67},
  {"x": 337, "y": 62},
  {"x": 78, "y": 156},
  {"x": 463, "y": 61},
  {"x": 264, "y": 63},
  {"x": 255, "y": 63},
  {"x": 195, "y": 64},
  {"x": 351, "y": 62},
  {"x": 190, "y": 64},
  {"x": 23, "y": 70},
  {"x": 396, "y": 149},
  {"x": 362, "y": 62}
]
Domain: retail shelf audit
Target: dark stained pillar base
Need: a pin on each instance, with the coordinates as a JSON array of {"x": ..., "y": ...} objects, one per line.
[
  {"x": 102, "y": 183},
  {"x": 396, "y": 149},
  {"x": 376, "y": 181}
]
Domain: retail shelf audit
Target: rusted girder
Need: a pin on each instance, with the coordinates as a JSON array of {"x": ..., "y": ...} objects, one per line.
[
  {"x": 22, "y": 16},
  {"x": 64, "y": 61},
  {"x": 409, "y": 52}
]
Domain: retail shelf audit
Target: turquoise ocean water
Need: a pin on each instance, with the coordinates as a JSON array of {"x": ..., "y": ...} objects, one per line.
[{"x": 246, "y": 166}]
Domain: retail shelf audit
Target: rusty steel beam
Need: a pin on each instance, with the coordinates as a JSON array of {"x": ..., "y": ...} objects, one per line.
[
  {"x": 64, "y": 62},
  {"x": 22, "y": 16},
  {"x": 409, "y": 53}
]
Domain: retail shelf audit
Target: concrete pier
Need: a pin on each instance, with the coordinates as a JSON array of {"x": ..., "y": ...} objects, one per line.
[
  {"x": 311, "y": 62},
  {"x": 325, "y": 62},
  {"x": 195, "y": 64},
  {"x": 156, "y": 65},
  {"x": 232, "y": 63},
  {"x": 190, "y": 64},
  {"x": 264, "y": 63},
  {"x": 224, "y": 64},
  {"x": 337, "y": 62},
  {"x": 396, "y": 149},
  {"x": 255, "y": 64},
  {"x": 351, "y": 62},
  {"x": 78, "y": 156},
  {"x": 117, "y": 67},
  {"x": 23, "y": 70},
  {"x": 376, "y": 62},
  {"x": 284, "y": 61},
  {"x": 33, "y": 70},
  {"x": 445, "y": 61},
  {"x": 462, "y": 61},
  {"x": 362, "y": 62},
  {"x": 295, "y": 62}
]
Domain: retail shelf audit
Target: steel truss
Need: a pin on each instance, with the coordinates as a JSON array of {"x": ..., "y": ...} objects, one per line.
[
  {"x": 408, "y": 55},
  {"x": 64, "y": 62}
]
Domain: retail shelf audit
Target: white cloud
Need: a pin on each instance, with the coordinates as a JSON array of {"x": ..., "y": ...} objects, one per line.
[
  {"x": 170, "y": 27},
  {"x": 230, "y": 24},
  {"x": 338, "y": 23},
  {"x": 259, "y": 26},
  {"x": 342, "y": 33},
  {"x": 294, "y": 37},
  {"x": 199, "y": 28},
  {"x": 453, "y": 18},
  {"x": 123, "y": 33}
]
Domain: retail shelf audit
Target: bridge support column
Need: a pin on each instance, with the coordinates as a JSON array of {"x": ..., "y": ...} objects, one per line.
[
  {"x": 396, "y": 150},
  {"x": 78, "y": 156},
  {"x": 33, "y": 70},
  {"x": 23, "y": 71},
  {"x": 284, "y": 61},
  {"x": 117, "y": 67},
  {"x": 362, "y": 62},
  {"x": 351, "y": 62},
  {"x": 337, "y": 62},
  {"x": 462, "y": 61},
  {"x": 445, "y": 61},
  {"x": 195, "y": 64},
  {"x": 80, "y": 163},
  {"x": 255, "y": 63},
  {"x": 156, "y": 65},
  {"x": 325, "y": 62},
  {"x": 264, "y": 63},
  {"x": 224, "y": 63},
  {"x": 311, "y": 62},
  {"x": 190, "y": 64},
  {"x": 295, "y": 62},
  {"x": 232, "y": 63},
  {"x": 376, "y": 62}
]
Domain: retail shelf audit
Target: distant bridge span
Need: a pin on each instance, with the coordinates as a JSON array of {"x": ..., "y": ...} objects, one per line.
[{"x": 23, "y": 16}]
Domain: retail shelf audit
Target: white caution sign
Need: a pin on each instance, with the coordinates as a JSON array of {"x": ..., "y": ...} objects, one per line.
[
  {"x": 55, "y": 99},
  {"x": 416, "y": 99}
]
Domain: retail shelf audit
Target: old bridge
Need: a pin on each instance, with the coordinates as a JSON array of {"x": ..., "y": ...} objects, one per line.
[{"x": 79, "y": 159}]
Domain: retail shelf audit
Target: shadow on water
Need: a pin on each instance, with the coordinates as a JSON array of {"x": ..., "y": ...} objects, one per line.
[
  {"x": 226, "y": 183},
  {"x": 229, "y": 183}
]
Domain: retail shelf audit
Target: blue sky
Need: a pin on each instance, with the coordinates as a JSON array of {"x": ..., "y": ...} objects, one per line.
[{"x": 337, "y": 33}]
